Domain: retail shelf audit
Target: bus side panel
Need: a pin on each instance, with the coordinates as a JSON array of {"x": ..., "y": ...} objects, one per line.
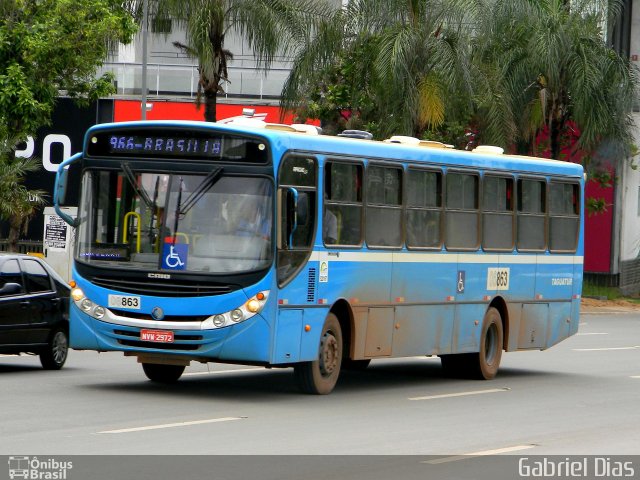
[
  {"x": 288, "y": 335},
  {"x": 554, "y": 283},
  {"x": 423, "y": 330},
  {"x": 577, "y": 295},
  {"x": 471, "y": 283},
  {"x": 521, "y": 274},
  {"x": 298, "y": 295},
  {"x": 427, "y": 281},
  {"x": 466, "y": 331}
]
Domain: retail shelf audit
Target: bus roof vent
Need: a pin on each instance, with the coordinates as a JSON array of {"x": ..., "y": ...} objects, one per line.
[
  {"x": 488, "y": 149},
  {"x": 403, "y": 140},
  {"x": 356, "y": 134},
  {"x": 434, "y": 144},
  {"x": 308, "y": 129}
]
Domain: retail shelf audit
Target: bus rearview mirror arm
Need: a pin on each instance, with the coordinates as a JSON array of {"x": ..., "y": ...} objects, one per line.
[{"x": 60, "y": 191}]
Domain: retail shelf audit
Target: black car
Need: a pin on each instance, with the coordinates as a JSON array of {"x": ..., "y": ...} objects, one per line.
[{"x": 34, "y": 306}]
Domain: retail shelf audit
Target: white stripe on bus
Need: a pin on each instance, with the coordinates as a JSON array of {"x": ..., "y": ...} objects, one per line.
[{"x": 419, "y": 257}]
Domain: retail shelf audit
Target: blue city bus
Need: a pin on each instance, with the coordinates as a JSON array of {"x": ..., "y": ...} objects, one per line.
[{"x": 273, "y": 245}]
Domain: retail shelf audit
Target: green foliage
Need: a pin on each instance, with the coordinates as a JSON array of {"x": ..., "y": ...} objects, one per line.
[
  {"x": 17, "y": 203},
  {"x": 596, "y": 206},
  {"x": 544, "y": 67},
  {"x": 51, "y": 46},
  {"x": 394, "y": 66},
  {"x": 269, "y": 28}
]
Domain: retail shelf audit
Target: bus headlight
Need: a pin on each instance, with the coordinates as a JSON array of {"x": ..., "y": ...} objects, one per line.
[
  {"x": 250, "y": 308},
  {"x": 77, "y": 294},
  {"x": 86, "y": 305}
]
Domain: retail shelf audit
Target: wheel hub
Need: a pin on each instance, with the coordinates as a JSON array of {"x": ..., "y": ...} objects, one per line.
[{"x": 328, "y": 354}]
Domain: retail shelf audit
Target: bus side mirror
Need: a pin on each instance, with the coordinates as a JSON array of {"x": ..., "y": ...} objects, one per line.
[{"x": 60, "y": 189}]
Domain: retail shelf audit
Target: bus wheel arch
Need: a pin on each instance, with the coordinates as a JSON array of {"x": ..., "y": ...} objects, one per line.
[{"x": 501, "y": 306}]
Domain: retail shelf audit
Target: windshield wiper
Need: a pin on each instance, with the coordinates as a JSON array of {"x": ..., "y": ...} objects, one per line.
[
  {"x": 132, "y": 180},
  {"x": 197, "y": 194}
]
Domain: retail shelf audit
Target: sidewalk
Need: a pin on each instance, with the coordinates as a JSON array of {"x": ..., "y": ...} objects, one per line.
[{"x": 592, "y": 305}]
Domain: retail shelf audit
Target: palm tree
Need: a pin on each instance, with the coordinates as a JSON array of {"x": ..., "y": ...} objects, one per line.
[
  {"x": 544, "y": 67},
  {"x": 269, "y": 27},
  {"x": 17, "y": 203},
  {"x": 420, "y": 59}
]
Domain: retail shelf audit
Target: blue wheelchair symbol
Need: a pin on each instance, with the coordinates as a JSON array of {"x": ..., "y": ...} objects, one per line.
[{"x": 174, "y": 256}]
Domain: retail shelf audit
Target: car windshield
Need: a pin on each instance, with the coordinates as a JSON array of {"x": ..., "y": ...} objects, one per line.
[{"x": 205, "y": 223}]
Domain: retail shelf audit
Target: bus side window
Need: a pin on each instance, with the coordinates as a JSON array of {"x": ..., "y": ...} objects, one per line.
[
  {"x": 424, "y": 208},
  {"x": 342, "y": 213},
  {"x": 497, "y": 213},
  {"x": 531, "y": 222},
  {"x": 462, "y": 223},
  {"x": 564, "y": 216},
  {"x": 384, "y": 206}
]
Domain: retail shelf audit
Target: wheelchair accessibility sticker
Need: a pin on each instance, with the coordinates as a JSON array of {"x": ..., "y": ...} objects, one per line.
[{"x": 174, "y": 256}]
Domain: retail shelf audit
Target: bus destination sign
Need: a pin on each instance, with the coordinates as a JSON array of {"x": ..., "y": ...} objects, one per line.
[
  {"x": 192, "y": 144},
  {"x": 154, "y": 145}
]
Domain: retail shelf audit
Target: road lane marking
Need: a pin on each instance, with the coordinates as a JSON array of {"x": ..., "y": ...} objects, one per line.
[
  {"x": 591, "y": 333},
  {"x": 605, "y": 349},
  {"x": 173, "y": 425},
  {"x": 461, "y": 394},
  {"x": 218, "y": 372},
  {"x": 466, "y": 456},
  {"x": 635, "y": 376}
]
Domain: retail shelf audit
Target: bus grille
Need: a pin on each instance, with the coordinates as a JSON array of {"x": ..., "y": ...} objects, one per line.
[
  {"x": 167, "y": 318},
  {"x": 164, "y": 289}
]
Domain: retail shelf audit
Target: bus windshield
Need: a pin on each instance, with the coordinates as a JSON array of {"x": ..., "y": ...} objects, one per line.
[{"x": 194, "y": 223}]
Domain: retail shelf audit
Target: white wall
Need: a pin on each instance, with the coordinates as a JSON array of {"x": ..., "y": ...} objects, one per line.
[{"x": 630, "y": 221}]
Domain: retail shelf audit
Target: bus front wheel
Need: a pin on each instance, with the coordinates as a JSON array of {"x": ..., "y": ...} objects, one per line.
[
  {"x": 320, "y": 376},
  {"x": 162, "y": 373}
]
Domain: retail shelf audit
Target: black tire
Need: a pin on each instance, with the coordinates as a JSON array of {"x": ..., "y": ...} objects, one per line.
[
  {"x": 484, "y": 364},
  {"x": 320, "y": 376},
  {"x": 163, "y": 373},
  {"x": 355, "y": 365},
  {"x": 57, "y": 350}
]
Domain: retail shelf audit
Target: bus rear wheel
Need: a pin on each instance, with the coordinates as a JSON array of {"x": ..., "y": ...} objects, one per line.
[
  {"x": 162, "y": 373},
  {"x": 484, "y": 364},
  {"x": 320, "y": 376}
]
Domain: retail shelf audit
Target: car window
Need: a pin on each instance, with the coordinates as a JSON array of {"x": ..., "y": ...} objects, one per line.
[
  {"x": 37, "y": 277},
  {"x": 10, "y": 274}
]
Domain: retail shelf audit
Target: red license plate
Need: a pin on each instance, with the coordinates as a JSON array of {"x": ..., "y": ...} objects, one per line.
[{"x": 159, "y": 336}]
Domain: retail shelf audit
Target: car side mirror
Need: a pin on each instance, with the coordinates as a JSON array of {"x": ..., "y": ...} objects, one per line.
[{"x": 11, "y": 289}]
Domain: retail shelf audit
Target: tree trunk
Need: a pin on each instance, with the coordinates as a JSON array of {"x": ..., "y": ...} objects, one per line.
[
  {"x": 210, "y": 104},
  {"x": 554, "y": 138},
  {"x": 15, "y": 227}
]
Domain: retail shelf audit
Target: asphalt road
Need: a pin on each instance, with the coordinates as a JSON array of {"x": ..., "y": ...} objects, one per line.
[{"x": 579, "y": 398}]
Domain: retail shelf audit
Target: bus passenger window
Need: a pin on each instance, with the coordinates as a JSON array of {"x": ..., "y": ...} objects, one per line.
[
  {"x": 424, "y": 209},
  {"x": 531, "y": 222},
  {"x": 564, "y": 216},
  {"x": 342, "y": 214},
  {"x": 384, "y": 206},
  {"x": 497, "y": 213},
  {"x": 462, "y": 213}
]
